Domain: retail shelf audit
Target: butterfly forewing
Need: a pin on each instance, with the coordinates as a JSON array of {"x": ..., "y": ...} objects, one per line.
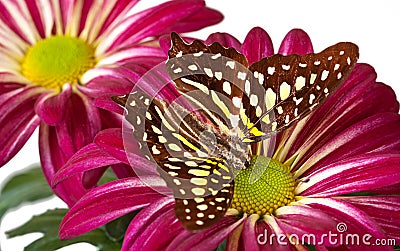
[
  {"x": 295, "y": 85},
  {"x": 212, "y": 76}
]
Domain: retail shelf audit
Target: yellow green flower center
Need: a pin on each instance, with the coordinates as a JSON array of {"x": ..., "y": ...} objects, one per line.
[
  {"x": 58, "y": 60},
  {"x": 263, "y": 187}
]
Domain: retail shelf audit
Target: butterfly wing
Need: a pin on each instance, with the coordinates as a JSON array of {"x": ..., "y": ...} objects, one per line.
[
  {"x": 290, "y": 87},
  {"x": 181, "y": 146},
  {"x": 210, "y": 76}
]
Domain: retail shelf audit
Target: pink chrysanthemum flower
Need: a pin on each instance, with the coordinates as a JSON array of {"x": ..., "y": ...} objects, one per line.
[
  {"x": 61, "y": 58},
  {"x": 348, "y": 150}
]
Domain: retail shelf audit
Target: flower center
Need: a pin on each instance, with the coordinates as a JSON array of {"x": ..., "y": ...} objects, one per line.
[
  {"x": 263, "y": 187},
  {"x": 57, "y": 60}
]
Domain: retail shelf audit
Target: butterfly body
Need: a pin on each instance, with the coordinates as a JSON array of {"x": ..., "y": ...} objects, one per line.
[{"x": 200, "y": 149}]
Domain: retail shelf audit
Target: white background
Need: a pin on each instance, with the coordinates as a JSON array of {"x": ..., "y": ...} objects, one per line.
[{"x": 372, "y": 25}]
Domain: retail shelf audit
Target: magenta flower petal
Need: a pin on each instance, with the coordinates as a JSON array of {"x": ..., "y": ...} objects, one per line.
[
  {"x": 17, "y": 121},
  {"x": 105, "y": 102},
  {"x": 134, "y": 54},
  {"x": 301, "y": 220},
  {"x": 108, "y": 202},
  {"x": 225, "y": 39},
  {"x": 210, "y": 237},
  {"x": 200, "y": 19},
  {"x": 51, "y": 106},
  {"x": 108, "y": 81},
  {"x": 88, "y": 158},
  {"x": 382, "y": 209},
  {"x": 155, "y": 227},
  {"x": 359, "y": 98},
  {"x": 357, "y": 221},
  {"x": 117, "y": 13},
  {"x": 110, "y": 141},
  {"x": 52, "y": 158},
  {"x": 358, "y": 139},
  {"x": 296, "y": 41},
  {"x": 257, "y": 45},
  {"x": 358, "y": 174},
  {"x": 88, "y": 121},
  {"x": 149, "y": 23},
  {"x": 248, "y": 236}
]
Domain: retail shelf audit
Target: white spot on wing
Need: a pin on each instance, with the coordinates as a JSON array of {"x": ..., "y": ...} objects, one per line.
[
  {"x": 324, "y": 75},
  {"x": 284, "y": 90},
  {"x": 209, "y": 72},
  {"x": 218, "y": 75},
  {"x": 230, "y": 64},
  {"x": 241, "y": 75},
  {"x": 300, "y": 82},
  {"x": 271, "y": 70},
  {"x": 253, "y": 100},
  {"x": 237, "y": 101},
  {"x": 226, "y": 86},
  {"x": 312, "y": 98},
  {"x": 247, "y": 86},
  {"x": 270, "y": 98},
  {"x": 192, "y": 67}
]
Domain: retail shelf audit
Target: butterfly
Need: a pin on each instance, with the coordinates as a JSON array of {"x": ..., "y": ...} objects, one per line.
[{"x": 200, "y": 147}]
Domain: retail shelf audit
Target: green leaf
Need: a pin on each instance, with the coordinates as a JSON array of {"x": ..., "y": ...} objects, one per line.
[
  {"x": 24, "y": 187},
  {"x": 116, "y": 229},
  {"x": 48, "y": 224},
  {"x": 222, "y": 246}
]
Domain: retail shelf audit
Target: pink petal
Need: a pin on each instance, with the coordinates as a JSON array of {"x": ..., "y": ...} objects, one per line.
[
  {"x": 58, "y": 144},
  {"x": 257, "y": 45},
  {"x": 154, "y": 227},
  {"x": 105, "y": 102},
  {"x": 358, "y": 98},
  {"x": 110, "y": 119},
  {"x": 106, "y": 203},
  {"x": 52, "y": 158},
  {"x": 301, "y": 220},
  {"x": 136, "y": 54},
  {"x": 42, "y": 16},
  {"x": 210, "y": 237},
  {"x": 202, "y": 18},
  {"x": 359, "y": 139},
  {"x": 88, "y": 158},
  {"x": 356, "y": 221},
  {"x": 362, "y": 173},
  {"x": 103, "y": 81},
  {"x": 13, "y": 16},
  {"x": 225, "y": 39},
  {"x": 249, "y": 236},
  {"x": 150, "y": 22},
  {"x": 265, "y": 229},
  {"x": 17, "y": 121},
  {"x": 382, "y": 209},
  {"x": 110, "y": 141},
  {"x": 123, "y": 171},
  {"x": 78, "y": 130},
  {"x": 117, "y": 13},
  {"x": 51, "y": 106},
  {"x": 296, "y": 41}
]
